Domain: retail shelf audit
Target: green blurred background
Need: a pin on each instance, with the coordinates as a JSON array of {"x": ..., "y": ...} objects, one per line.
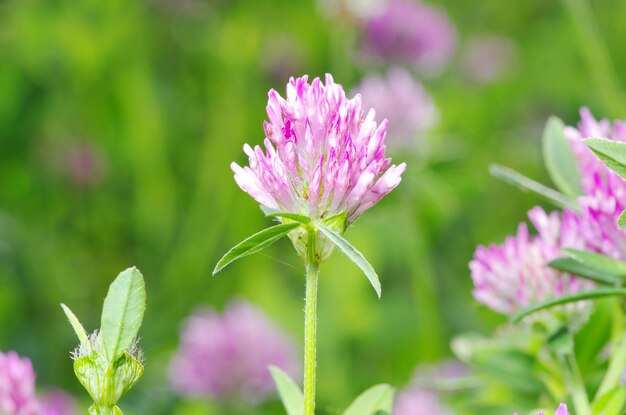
[{"x": 118, "y": 122}]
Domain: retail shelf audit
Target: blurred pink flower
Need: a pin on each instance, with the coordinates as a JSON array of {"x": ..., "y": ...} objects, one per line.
[
  {"x": 604, "y": 191},
  {"x": 322, "y": 156},
  {"x": 413, "y": 401},
  {"x": 488, "y": 59},
  {"x": 227, "y": 356},
  {"x": 412, "y": 32},
  {"x": 515, "y": 274},
  {"x": 57, "y": 402},
  {"x": 17, "y": 385},
  {"x": 402, "y": 100}
]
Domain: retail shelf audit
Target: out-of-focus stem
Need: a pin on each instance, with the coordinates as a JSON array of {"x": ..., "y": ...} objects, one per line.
[
  {"x": 576, "y": 385},
  {"x": 597, "y": 57},
  {"x": 310, "y": 325},
  {"x": 615, "y": 369}
]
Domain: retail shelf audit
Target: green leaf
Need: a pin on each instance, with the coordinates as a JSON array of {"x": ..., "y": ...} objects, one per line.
[
  {"x": 289, "y": 392},
  {"x": 612, "y": 153},
  {"x": 78, "y": 328},
  {"x": 122, "y": 312},
  {"x": 571, "y": 298},
  {"x": 254, "y": 244},
  {"x": 354, "y": 255},
  {"x": 292, "y": 216},
  {"x": 514, "y": 178},
  {"x": 376, "y": 398},
  {"x": 574, "y": 267},
  {"x": 597, "y": 261},
  {"x": 621, "y": 221},
  {"x": 611, "y": 403},
  {"x": 559, "y": 159}
]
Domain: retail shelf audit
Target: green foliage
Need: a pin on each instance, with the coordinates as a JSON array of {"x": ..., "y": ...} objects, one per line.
[
  {"x": 512, "y": 177},
  {"x": 290, "y": 393},
  {"x": 559, "y": 159},
  {"x": 122, "y": 313},
  {"x": 354, "y": 255},
  {"x": 78, "y": 328},
  {"x": 375, "y": 399},
  {"x": 565, "y": 299},
  {"x": 254, "y": 244},
  {"x": 612, "y": 153}
]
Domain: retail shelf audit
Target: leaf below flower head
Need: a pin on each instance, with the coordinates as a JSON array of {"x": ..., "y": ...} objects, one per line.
[
  {"x": 292, "y": 216},
  {"x": 610, "y": 152},
  {"x": 579, "y": 269},
  {"x": 621, "y": 221},
  {"x": 598, "y": 261},
  {"x": 354, "y": 255},
  {"x": 254, "y": 244}
]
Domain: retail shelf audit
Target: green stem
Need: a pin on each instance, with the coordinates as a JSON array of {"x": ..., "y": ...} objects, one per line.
[
  {"x": 576, "y": 385},
  {"x": 310, "y": 324},
  {"x": 615, "y": 369}
]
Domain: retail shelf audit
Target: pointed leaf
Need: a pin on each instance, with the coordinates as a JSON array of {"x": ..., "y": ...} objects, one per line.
[
  {"x": 612, "y": 153},
  {"x": 512, "y": 177},
  {"x": 559, "y": 159},
  {"x": 576, "y": 268},
  {"x": 598, "y": 261},
  {"x": 122, "y": 312},
  {"x": 621, "y": 221},
  {"x": 571, "y": 298},
  {"x": 78, "y": 328},
  {"x": 610, "y": 403},
  {"x": 289, "y": 392},
  {"x": 254, "y": 244},
  {"x": 377, "y": 398},
  {"x": 354, "y": 255},
  {"x": 293, "y": 216}
]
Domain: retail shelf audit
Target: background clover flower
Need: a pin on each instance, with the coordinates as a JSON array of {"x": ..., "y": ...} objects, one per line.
[
  {"x": 57, "y": 402},
  {"x": 419, "y": 401},
  {"x": 604, "y": 196},
  {"x": 412, "y": 32},
  {"x": 515, "y": 274},
  {"x": 402, "y": 100},
  {"x": 322, "y": 155},
  {"x": 227, "y": 356},
  {"x": 17, "y": 385}
]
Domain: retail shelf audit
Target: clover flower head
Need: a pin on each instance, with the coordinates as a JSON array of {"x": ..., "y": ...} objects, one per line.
[
  {"x": 412, "y": 32},
  {"x": 515, "y": 274},
  {"x": 17, "y": 385},
  {"x": 604, "y": 196},
  {"x": 403, "y": 100},
  {"x": 227, "y": 356},
  {"x": 322, "y": 156}
]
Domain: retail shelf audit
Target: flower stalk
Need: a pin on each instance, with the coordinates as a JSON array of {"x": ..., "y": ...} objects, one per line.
[{"x": 310, "y": 323}]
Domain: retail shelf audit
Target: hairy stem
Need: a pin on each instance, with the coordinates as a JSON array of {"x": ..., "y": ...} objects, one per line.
[{"x": 310, "y": 325}]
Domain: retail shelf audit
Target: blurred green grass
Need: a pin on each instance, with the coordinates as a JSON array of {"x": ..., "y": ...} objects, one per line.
[{"x": 168, "y": 91}]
